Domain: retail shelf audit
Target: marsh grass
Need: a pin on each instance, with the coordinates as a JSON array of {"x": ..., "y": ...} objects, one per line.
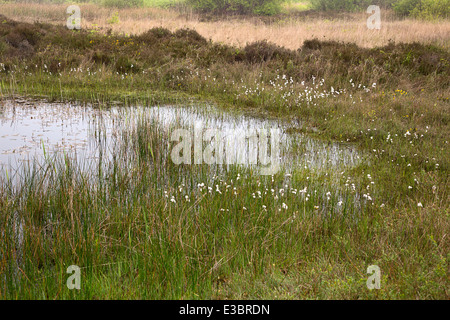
[{"x": 146, "y": 228}]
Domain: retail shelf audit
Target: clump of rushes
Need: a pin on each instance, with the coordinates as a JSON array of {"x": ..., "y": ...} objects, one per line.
[{"x": 166, "y": 231}]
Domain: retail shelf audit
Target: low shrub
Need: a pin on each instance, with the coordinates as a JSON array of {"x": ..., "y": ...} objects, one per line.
[
  {"x": 123, "y": 3},
  {"x": 258, "y": 7},
  {"x": 423, "y": 9},
  {"x": 348, "y": 5}
]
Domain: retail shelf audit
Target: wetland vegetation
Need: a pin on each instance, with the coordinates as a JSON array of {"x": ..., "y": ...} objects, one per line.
[{"x": 142, "y": 227}]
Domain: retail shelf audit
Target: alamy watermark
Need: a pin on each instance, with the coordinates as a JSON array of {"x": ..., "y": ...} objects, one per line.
[
  {"x": 74, "y": 281},
  {"x": 374, "y": 21},
  {"x": 227, "y": 147},
  {"x": 374, "y": 281},
  {"x": 74, "y": 20}
]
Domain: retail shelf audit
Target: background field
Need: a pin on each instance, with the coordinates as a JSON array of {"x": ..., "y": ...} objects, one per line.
[{"x": 289, "y": 31}]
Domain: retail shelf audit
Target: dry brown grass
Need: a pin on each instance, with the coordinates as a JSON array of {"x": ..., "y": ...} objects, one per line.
[{"x": 290, "y": 33}]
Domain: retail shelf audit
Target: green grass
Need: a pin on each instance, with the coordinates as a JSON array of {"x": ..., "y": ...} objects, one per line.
[
  {"x": 133, "y": 242},
  {"x": 162, "y": 3},
  {"x": 296, "y": 6}
]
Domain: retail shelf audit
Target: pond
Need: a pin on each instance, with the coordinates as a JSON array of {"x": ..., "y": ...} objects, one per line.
[{"x": 31, "y": 131}]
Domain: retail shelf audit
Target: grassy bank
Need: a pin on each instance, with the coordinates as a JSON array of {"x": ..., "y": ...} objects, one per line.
[{"x": 133, "y": 241}]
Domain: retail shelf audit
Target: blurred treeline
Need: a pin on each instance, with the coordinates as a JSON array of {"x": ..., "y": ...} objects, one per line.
[{"x": 423, "y": 9}]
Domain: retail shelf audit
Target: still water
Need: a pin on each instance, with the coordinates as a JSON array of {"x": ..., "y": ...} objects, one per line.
[{"x": 31, "y": 131}]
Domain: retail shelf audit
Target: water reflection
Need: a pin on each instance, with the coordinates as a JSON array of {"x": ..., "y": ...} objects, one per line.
[{"x": 34, "y": 130}]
